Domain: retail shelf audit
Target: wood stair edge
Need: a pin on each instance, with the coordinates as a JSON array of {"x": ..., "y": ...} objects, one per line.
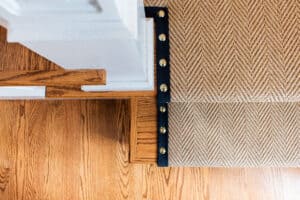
[{"x": 52, "y": 77}]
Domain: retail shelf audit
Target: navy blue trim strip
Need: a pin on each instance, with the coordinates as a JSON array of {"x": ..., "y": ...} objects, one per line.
[{"x": 161, "y": 19}]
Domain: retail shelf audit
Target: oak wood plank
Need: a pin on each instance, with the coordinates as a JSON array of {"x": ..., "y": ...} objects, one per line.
[
  {"x": 143, "y": 136},
  {"x": 52, "y": 77},
  {"x": 75, "y": 92},
  {"x": 133, "y": 128},
  {"x": 12, "y": 127}
]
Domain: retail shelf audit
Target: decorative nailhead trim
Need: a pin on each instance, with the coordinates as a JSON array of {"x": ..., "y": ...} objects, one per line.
[
  {"x": 162, "y": 37},
  {"x": 162, "y": 109},
  {"x": 161, "y": 13},
  {"x": 161, "y": 19},
  {"x": 163, "y": 62}
]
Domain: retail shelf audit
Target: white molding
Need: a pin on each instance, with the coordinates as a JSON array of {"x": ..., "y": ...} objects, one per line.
[
  {"x": 26, "y": 92},
  {"x": 39, "y": 6},
  {"x": 129, "y": 13},
  {"x": 88, "y": 30},
  {"x": 134, "y": 85}
]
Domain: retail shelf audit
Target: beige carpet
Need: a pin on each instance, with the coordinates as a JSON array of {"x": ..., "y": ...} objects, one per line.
[{"x": 235, "y": 75}]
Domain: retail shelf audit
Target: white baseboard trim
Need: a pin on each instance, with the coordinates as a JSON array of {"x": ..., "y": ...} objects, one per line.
[{"x": 20, "y": 92}]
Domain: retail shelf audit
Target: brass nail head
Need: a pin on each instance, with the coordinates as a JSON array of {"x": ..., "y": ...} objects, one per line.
[
  {"x": 162, "y": 109},
  {"x": 162, "y": 150},
  {"x": 162, "y": 37},
  {"x": 163, "y": 62},
  {"x": 163, "y": 88},
  {"x": 163, "y": 130},
  {"x": 161, "y": 13}
]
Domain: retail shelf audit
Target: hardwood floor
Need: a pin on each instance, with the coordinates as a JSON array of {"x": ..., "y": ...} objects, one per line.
[{"x": 79, "y": 150}]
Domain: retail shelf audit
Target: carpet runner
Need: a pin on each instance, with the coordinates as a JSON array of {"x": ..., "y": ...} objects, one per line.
[{"x": 235, "y": 82}]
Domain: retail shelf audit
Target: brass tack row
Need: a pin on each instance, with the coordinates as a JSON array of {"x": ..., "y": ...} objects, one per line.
[
  {"x": 163, "y": 87},
  {"x": 160, "y": 16},
  {"x": 162, "y": 62}
]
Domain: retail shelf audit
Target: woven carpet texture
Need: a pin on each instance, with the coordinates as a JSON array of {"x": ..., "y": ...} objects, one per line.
[{"x": 235, "y": 82}]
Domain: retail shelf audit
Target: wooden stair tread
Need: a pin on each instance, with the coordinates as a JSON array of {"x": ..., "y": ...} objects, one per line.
[{"x": 52, "y": 77}]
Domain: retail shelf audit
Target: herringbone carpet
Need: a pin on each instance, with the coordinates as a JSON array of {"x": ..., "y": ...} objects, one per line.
[{"x": 235, "y": 75}]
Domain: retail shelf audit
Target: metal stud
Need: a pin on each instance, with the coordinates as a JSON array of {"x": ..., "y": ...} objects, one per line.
[
  {"x": 163, "y": 109},
  {"x": 163, "y": 62},
  {"x": 162, "y": 150},
  {"x": 161, "y": 13},
  {"x": 162, "y": 37},
  {"x": 163, "y": 88},
  {"x": 163, "y": 130}
]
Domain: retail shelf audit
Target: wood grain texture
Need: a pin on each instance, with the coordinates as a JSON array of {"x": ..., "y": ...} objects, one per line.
[
  {"x": 143, "y": 136},
  {"x": 52, "y": 77},
  {"x": 44, "y": 154},
  {"x": 79, "y": 150},
  {"x": 75, "y": 92}
]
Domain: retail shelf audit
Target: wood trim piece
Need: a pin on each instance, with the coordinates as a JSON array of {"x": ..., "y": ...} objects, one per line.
[
  {"x": 133, "y": 128},
  {"x": 52, "y": 77},
  {"x": 143, "y": 133},
  {"x": 75, "y": 92}
]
